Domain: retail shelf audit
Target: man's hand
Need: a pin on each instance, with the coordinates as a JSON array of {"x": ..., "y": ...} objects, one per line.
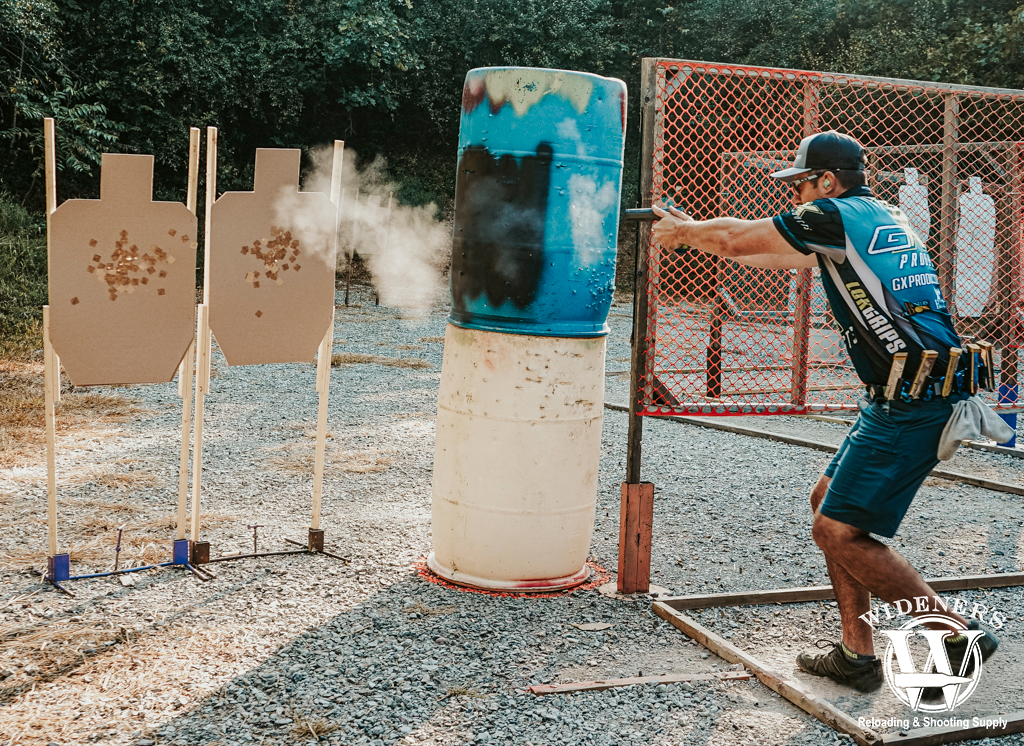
[{"x": 668, "y": 231}]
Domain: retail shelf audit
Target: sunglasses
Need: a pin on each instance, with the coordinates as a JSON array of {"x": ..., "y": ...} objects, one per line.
[{"x": 796, "y": 184}]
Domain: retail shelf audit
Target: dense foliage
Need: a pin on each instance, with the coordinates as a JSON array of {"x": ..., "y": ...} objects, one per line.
[
  {"x": 22, "y": 276},
  {"x": 386, "y": 75}
]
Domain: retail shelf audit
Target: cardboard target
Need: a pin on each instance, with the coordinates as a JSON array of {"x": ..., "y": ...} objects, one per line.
[
  {"x": 272, "y": 263},
  {"x": 122, "y": 279}
]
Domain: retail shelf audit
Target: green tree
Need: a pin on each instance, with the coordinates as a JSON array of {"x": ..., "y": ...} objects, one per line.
[{"x": 36, "y": 82}]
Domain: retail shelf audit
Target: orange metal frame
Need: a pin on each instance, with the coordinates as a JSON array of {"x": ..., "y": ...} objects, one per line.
[{"x": 723, "y": 339}]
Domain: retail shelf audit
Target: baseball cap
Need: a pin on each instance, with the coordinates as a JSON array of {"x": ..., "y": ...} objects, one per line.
[{"x": 831, "y": 151}]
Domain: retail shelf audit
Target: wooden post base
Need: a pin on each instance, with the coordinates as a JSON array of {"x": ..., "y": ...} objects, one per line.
[
  {"x": 316, "y": 540},
  {"x": 636, "y": 518},
  {"x": 200, "y": 552}
]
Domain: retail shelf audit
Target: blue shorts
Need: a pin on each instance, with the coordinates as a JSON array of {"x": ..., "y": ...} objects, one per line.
[{"x": 886, "y": 456}]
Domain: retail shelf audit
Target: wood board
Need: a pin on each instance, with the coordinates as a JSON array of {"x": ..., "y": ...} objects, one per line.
[
  {"x": 941, "y": 735},
  {"x": 825, "y": 592}
]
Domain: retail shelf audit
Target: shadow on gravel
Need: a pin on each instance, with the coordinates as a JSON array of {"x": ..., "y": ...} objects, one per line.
[{"x": 419, "y": 663}]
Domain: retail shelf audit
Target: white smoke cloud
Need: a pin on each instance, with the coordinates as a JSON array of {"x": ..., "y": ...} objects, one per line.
[
  {"x": 310, "y": 221},
  {"x": 588, "y": 206},
  {"x": 405, "y": 248}
]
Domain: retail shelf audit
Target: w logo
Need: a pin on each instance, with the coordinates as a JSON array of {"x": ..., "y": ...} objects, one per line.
[
  {"x": 908, "y": 684},
  {"x": 890, "y": 238}
]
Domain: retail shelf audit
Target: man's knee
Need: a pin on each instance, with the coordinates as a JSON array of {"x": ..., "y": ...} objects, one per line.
[
  {"x": 818, "y": 492},
  {"x": 820, "y": 531},
  {"x": 833, "y": 536}
]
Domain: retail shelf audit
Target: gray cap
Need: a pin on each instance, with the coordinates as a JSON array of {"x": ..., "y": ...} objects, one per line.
[{"x": 825, "y": 151}]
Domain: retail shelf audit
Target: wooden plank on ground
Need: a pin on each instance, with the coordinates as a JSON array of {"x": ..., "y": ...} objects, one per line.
[
  {"x": 824, "y": 592},
  {"x": 602, "y": 684},
  {"x": 750, "y": 598},
  {"x": 791, "y": 690},
  {"x": 940, "y": 735}
]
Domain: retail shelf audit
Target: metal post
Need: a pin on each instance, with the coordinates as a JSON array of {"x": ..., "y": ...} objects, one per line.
[
  {"x": 714, "y": 352},
  {"x": 1011, "y": 295},
  {"x": 801, "y": 332},
  {"x": 638, "y": 362},
  {"x": 947, "y": 196},
  {"x": 637, "y": 502},
  {"x": 804, "y": 278}
]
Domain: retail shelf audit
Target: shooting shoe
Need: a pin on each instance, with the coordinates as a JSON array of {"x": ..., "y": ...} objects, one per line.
[
  {"x": 957, "y": 651},
  {"x": 834, "y": 664}
]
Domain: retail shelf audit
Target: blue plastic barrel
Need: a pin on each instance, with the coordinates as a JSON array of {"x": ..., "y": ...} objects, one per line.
[{"x": 537, "y": 201}]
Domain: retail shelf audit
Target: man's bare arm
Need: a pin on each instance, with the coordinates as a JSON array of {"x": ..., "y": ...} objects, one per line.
[
  {"x": 776, "y": 261},
  {"x": 730, "y": 238}
]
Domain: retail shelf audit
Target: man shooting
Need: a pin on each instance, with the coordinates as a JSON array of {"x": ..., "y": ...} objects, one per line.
[{"x": 885, "y": 297}]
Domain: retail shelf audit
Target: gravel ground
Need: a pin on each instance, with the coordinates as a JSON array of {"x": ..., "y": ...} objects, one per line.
[{"x": 307, "y": 649}]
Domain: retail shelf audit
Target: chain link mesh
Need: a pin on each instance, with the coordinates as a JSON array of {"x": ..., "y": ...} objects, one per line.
[{"x": 728, "y": 339}]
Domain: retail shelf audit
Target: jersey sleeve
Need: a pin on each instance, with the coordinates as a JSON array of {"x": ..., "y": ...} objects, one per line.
[{"x": 814, "y": 228}]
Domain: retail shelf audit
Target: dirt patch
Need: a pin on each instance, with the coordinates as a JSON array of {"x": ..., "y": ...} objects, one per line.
[
  {"x": 351, "y": 358},
  {"x": 103, "y": 475},
  {"x": 22, "y": 416},
  {"x": 298, "y": 459},
  {"x": 415, "y": 416}
]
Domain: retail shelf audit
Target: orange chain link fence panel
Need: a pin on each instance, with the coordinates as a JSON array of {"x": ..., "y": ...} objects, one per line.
[{"x": 727, "y": 339}]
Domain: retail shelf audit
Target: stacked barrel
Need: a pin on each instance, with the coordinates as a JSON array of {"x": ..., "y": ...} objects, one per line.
[{"x": 520, "y": 405}]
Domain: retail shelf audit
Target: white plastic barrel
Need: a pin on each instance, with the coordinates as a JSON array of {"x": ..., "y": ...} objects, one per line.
[{"x": 516, "y": 458}]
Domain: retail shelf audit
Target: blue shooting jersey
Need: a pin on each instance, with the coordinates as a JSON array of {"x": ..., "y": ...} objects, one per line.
[{"x": 879, "y": 279}]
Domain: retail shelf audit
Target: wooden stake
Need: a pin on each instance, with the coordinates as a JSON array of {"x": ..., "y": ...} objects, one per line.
[
  {"x": 323, "y": 382},
  {"x": 50, "y": 372},
  {"x": 211, "y": 197},
  {"x": 50, "y": 175},
  {"x": 50, "y": 160},
  {"x": 323, "y": 356},
  {"x": 203, "y": 340},
  {"x": 185, "y": 392},
  {"x": 193, "y": 169},
  {"x": 791, "y": 690},
  {"x": 51, "y": 436},
  {"x": 202, "y": 385},
  {"x": 187, "y": 362}
]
